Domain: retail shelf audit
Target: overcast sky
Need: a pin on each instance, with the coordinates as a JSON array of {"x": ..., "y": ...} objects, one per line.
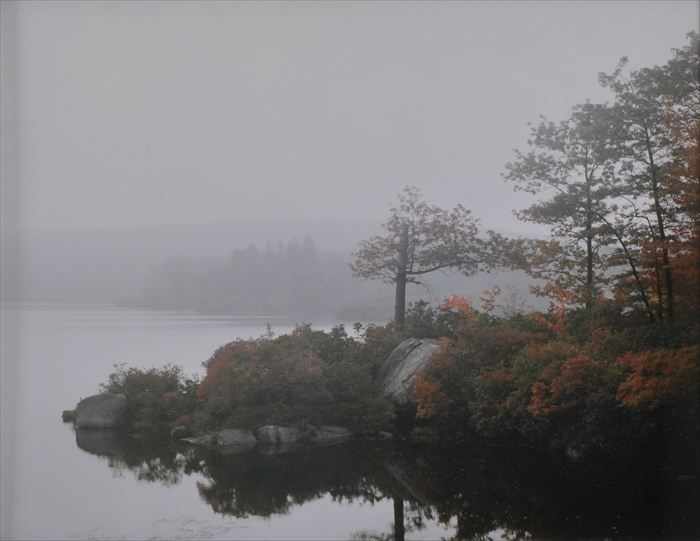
[{"x": 141, "y": 113}]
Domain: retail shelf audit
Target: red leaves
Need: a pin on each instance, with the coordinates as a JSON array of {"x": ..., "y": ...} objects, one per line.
[
  {"x": 215, "y": 368},
  {"x": 563, "y": 386},
  {"x": 657, "y": 376}
]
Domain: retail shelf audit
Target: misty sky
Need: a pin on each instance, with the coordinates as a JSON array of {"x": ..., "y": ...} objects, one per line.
[{"x": 129, "y": 114}]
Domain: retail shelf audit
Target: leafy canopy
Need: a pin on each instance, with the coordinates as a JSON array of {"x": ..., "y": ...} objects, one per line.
[{"x": 437, "y": 239}]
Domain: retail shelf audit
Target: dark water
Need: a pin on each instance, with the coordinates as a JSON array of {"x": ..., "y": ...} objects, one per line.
[
  {"x": 60, "y": 484},
  {"x": 349, "y": 491}
]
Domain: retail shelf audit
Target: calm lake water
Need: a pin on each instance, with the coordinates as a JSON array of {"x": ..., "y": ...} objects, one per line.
[
  {"x": 59, "y": 484},
  {"x": 52, "y": 489}
]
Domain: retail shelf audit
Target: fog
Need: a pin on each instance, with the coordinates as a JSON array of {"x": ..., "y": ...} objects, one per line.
[{"x": 138, "y": 134}]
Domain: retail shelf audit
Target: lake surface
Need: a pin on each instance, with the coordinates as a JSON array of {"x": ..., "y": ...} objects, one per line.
[
  {"x": 52, "y": 489},
  {"x": 59, "y": 484}
]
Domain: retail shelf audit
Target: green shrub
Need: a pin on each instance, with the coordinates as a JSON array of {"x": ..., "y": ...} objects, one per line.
[
  {"x": 304, "y": 377},
  {"x": 156, "y": 397}
]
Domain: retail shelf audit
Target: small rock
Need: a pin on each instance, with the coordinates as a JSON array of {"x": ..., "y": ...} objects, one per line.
[
  {"x": 179, "y": 432},
  {"x": 207, "y": 440},
  {"x": 574, "y": 452},
  {"x": 330, "y": 434},
  {"x": 68, "y": 416},
  {"x": 424, "y": 434},
  {"x": 227, "y": 441},
  {"x": 233, "y": 437}
]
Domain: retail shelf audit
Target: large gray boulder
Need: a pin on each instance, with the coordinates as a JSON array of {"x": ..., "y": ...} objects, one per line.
[
  {"x": 277, "y": 435},
  {"x": 104, "y": 410},
  {"x": 400, "y": 369}
]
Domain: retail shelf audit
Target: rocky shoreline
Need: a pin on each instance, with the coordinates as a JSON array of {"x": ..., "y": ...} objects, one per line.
[{"x": 109, "y": 411}]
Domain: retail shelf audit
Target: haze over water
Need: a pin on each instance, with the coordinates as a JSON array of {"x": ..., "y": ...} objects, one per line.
[{"x": 178, "y": 175}]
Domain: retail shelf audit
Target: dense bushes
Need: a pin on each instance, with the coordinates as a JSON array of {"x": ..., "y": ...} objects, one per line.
[
  {"x": 305, "y": 377},
  {"x": 156, "y": 397},
  {"x": 540, "y": 379},
  {"x": 535, "y": 378}
]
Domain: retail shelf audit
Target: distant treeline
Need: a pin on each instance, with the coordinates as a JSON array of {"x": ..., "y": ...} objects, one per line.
[
  {"x": 293, "y": 279},
  {"x": 210, "y": 270},
  {"x": 287, "y": 279}
]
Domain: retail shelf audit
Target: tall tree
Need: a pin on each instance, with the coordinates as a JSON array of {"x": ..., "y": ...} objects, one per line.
[
  {"x": 569, "y": 165},
  {"x": 418, "y": 239},
  {"x": 647, "y": 105}
]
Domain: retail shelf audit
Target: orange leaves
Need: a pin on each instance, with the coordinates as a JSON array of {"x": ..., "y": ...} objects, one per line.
[
  {"x": 540, "y": 400},
  {"x": 566, "y": 385},
  {"x": 572, "y": 375},
  {"x": 656, "y": 376},
  {"x": 561, "y": 298},
  {"x": 460, "y": 305},
  {"x": 429, "y": 397}
]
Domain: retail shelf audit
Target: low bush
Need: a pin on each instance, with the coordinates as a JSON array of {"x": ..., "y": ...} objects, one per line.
[
  {"x": 305, "y": 377},
  {"x": 156, "y": 397}
]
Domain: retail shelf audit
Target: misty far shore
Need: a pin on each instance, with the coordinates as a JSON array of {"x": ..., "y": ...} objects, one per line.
[{"x": 294, "y": 270}]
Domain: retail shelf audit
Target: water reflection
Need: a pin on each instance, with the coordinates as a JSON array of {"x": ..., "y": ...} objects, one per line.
[{"x": 479, "y": 490}]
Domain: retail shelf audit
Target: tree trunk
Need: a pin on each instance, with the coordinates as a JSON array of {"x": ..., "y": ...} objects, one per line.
[
  {"x": 399, "y": 533},
  {"x": 400, "y": 299},
  {"x": 589, "y": 268},
  {"x": 666, "y": 265},
  {"x": 589, "y": 243},
  {"x": 659, "y": 287},
  {"x": 633, "y": 266}
]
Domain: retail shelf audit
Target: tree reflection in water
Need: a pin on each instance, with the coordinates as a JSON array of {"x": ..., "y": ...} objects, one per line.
[{"x": 480, "y": 489}]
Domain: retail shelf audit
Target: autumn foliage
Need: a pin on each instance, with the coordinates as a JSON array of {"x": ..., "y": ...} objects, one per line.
[
  {"x": 615, "y": 358},
  {"x": 539, "y": 377}
]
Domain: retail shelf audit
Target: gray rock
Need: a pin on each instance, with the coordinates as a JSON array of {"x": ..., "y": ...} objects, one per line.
[
  {"x": 68, "y": 416},
  {"x": 574, "y": 452},
  {"x": 325, "y": 435},
  {"x": 398, "y": 372},
  {"x": 226, "y": 441},
  {"x": 233, "y": 437},
  {"x": 179, "y": 432},
  {"x": 104, "y": 410},
  {"x": 206, "y": 440},
  {"x": 277, "y": 435}
]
